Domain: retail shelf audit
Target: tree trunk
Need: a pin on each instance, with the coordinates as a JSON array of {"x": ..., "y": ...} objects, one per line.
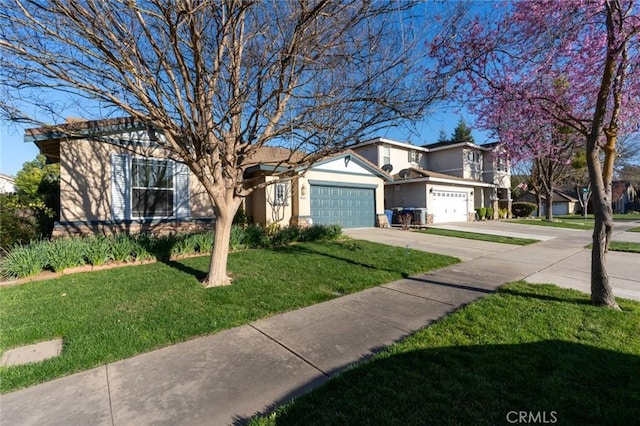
[
  {"x": 548, "y": 203},
  {"x": 217, "y": 275},
  {"x": 601, "y": 292},
  {"x": 539, "y": 203}
]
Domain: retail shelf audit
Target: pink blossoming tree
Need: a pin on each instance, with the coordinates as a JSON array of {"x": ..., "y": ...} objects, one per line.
[{"x": 534, "y": 67}]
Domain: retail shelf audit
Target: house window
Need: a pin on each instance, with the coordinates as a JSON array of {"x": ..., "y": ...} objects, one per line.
[
  {"x": 280, "y": 194},
  {"x": 152, "y": 188},
  {"x": 474, "y": 156},
  {"x": 501, "y": 164},
  {"x": 386, "y": 155},
  {"x": 414, "y": 156}
]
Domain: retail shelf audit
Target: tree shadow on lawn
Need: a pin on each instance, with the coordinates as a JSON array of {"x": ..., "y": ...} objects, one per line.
[
  {"x": 573, "y": 383},
  {"x": 196, "y": 273},
  {"x": 298, "y": 251},
  {"x": 563, "y": 299}
]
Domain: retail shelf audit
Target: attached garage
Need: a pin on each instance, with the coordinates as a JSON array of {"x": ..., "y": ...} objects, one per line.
[
  {"x": 343, "y": 204},
  {"x": 450, "y": 205}
]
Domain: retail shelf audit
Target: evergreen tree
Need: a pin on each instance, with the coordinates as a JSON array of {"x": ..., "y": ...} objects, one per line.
[
  {"x": 442, "y": 137},
  {"x": 462, "y": 133}
]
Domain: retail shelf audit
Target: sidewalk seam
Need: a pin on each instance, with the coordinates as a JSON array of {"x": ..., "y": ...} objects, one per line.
[
  {"x": 416, "y": 295},
  {"x": 554, "y": 263},
  {"x": 106, "y": 371},
  {"x": 288, "y": 349}
]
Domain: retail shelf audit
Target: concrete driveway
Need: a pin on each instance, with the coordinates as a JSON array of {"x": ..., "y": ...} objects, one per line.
[{"x": 573, "y": 270}]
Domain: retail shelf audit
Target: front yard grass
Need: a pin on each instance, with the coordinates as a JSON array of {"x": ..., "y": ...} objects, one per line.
[
  {"x": 627, "y": 246},
  {"x": 478, "y": 236},
  {"x": 556, "y": 223},
  {"x": 537, "y": 349},
  {"x": 113, "y": 314},
  {"x": 634, "y": 229}
]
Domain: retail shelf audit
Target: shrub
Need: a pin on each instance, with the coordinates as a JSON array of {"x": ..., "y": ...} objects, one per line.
[
  {"x": 255, "y": 237},
  {"x": 239, "y": 236},
  {"x": 97, "y": 250},
  {"x": 122, "y": 248},
  {"x": 144, "y": 247},
  {"x": 18, "y": 223},
  {"x": 482, "y": 212},
  {"x": 65, "y": 253},
  {"x": 201, "y": 242},
  {"x": 489, "y": 213},
  {"x": 286, "y": 236},
  {"x": 523, "y": 209},
  {"x": 24, "y": 261},
  {"x": 240, "y": 218},
  {"x": 503, "y": 213},
  {"x": 182, "y": 246},
  {"x": 321, "y": 232}
]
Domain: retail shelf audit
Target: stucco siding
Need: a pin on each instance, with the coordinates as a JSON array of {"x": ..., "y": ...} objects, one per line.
[
  {"x": 449, "y": 162},
  {"x": 371, "y": 152},
  {"x": 85, "y": 181}
]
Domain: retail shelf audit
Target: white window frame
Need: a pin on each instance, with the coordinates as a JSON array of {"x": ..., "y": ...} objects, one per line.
[
  {"x": 386, "y": 154},
  {"x": 414, "y": 156},
  {"x": 281, "y": 194},
  {"x": 170, "y": 164}
]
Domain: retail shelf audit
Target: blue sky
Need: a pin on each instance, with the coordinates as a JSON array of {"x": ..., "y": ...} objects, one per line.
[{"x": 14, "y": 151}]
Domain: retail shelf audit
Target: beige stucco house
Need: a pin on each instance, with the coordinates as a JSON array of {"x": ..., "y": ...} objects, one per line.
[
  {"x": 444, "y": 182},
  {"x": 115, "y": 178}
]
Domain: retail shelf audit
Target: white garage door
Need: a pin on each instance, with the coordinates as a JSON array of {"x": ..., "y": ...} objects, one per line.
[{"x": 450, "y": 206}]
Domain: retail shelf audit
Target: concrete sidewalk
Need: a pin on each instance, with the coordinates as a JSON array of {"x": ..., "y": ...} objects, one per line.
[{"x": 228, "y": 377}]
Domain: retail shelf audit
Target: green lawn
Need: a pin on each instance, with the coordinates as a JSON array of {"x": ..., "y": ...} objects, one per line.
[
  {"x": 113, "y": 314},
  {"x": 624, "y": 246},
  {"x": 634, "y": 229},
  {"x": 616, "y": 216},
  {"x": 532, "y": 348},
  {"x": 556, "y": 223},
  {"x": 478, "y": 236}
]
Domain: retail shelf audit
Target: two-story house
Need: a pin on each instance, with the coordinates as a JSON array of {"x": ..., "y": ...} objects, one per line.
[{"x": 446, "y": 181}]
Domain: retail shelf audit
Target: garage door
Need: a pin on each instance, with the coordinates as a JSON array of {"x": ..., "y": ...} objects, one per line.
[
  {"x": 345, "y": 206},
  {"x": 450, "y": 206}
]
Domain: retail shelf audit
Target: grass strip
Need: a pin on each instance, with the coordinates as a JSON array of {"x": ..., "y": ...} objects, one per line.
[
  {"x": 528, "y": 348},
  {"x": 113, "y": 314},
  {"x": 626, "y": 246},
  {"x": 556, "y": 223},
  {"x": 637, "y": 229},
  {"x": 478, "y": 236},
  {"x": 616, "y": 216}
]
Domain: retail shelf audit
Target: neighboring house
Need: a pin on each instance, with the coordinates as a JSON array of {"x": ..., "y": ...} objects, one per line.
[
  {"x": 115, "y": 178},
  {"x": 624, "y": 196},
  {"x": 342, "y": 189},
  {"x": 446, "y": 181},
  {"x": 7, "y": 184},
  {"x": 563, "y": 203}
]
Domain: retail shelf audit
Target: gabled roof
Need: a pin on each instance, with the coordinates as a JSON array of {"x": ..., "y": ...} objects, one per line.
[
  {"x": 47, "y": 138},
  {"x": 558, "y": 197},
  {"x": 357, "y": 159},
  {"x": 619, "y": 188},
  {"x": 271, "y": 159},
  {"x": 420, "y": 175},
  {"x": 385, "y": 141},
  {"x": 440, "y": 146}
]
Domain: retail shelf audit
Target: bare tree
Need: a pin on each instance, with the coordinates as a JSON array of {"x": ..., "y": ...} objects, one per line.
[{"x": 221, "y": 79}]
